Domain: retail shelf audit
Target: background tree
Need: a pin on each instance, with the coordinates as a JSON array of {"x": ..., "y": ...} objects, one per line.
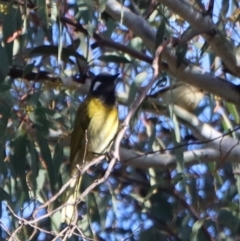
[{"x": 176, "y": 174}]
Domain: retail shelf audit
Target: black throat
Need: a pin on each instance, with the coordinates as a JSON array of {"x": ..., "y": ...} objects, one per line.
[{"x": 107, "y": 98}]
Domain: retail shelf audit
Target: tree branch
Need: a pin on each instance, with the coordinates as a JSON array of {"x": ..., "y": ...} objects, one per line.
[
  {"x": 218, "y": 41},
  {"x": 185, "y": 72}
]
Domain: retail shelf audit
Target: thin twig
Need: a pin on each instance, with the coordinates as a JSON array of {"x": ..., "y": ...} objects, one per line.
[
  {"x": 136, "y": 230},
  {"x": 60, "y": 233},
  {"x": 136, "y": 104},
  {"x": 12, "y": 237},
  {"x": 7, "y": 231},
  {"x": 65, "y": 186}
]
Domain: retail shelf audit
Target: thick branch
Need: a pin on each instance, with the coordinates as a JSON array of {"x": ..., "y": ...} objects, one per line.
[
  {"x": 221, "y": 148},
  {"x": 218, "y": 42},
  {"x": 165, "y": 161},
  {"x": 186, "y": 72}
]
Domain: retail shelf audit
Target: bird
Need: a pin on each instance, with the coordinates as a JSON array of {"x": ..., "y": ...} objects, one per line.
[
  {"x": 182, "y": 94},
  {"x": 96, "y": 125}
]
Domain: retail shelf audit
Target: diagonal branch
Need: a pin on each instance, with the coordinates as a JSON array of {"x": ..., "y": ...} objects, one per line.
[
  {"x": 218, "y": 42},
  {"x": 185, "y": 72}
]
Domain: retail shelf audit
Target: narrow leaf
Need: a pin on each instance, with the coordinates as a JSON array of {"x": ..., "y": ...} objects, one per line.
[
  {"x": 134, "y": 88},
  {"x": 57, "y": 158},
  {"x": 18, "y": 160},
  {"x": 233, "y": 111},
  {"x": 160, "y": 33},
  {"x": 195, "y": 229},
  {"x": 113, "y": 58},
  {"x": 28, "y": 69},
  {"x": 53, "y": 50},
  {"x": 47, "y": 158},
  {"x": 181, "y": 52}
]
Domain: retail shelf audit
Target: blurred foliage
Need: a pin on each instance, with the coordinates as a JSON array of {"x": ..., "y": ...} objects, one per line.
[{"x": 37, "y": 111}]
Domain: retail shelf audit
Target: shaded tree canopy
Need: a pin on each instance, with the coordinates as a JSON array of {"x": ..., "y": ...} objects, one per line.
[{"x": 173, "y": 173}]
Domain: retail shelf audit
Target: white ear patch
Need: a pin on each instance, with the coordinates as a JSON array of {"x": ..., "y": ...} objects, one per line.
[{"x": 96, "y": 85}]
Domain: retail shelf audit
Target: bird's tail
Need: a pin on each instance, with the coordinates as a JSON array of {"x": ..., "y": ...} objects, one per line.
[{"x": 69, "y": 211}]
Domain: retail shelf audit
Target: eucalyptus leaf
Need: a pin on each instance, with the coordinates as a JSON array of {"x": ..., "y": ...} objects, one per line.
[
  {"x": 113, "y": 58},
  {"x": 4, "y": 66},
  {"x": 195, "y": 229},
  {"x": 53, "y": 50},
  {"x": 47, "y": 159},
  {"x": 135, "y": 86},
  {"x": 181, "y": 53},
  {"x": 18, "y": 160},
  {"x": 161, "y": 33}
]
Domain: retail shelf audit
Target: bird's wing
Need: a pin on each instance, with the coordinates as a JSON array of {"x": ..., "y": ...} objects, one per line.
[
  {"x": 78, "y": 134},
  {"x": 77, "y": 145}
]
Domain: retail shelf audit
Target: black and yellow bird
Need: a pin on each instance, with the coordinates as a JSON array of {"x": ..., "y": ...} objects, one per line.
[{"x": 96, "y": 125}]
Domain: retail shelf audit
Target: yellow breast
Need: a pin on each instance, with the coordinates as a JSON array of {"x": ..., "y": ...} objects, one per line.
[{"x": 103, "y": 126}]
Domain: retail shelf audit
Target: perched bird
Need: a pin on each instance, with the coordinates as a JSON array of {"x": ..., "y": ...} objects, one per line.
[
  {"x": 181, "y": 94},
  {"x": 96, "y": 125}
]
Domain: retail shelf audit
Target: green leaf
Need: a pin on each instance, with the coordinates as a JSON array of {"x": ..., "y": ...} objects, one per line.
[
  {"x": 92, "y": 208},
  {"x": 134, "y": 88},
  {"x": 136, "y": 43},
  {"x": 57, "y": 158},
  {"x": 46, "y": 110},
  {"x": 113, "y": 58},
  {"x": 90, "y": 28},
  {"x": 3, "y": 167},
  {"x": 227, "y": 219},
  {"x": 6, "y": 98},
  {"x": 89, "y": 3},
  {"x": 233, "y": 111},
  {"x": 93, "y": 212},
  {"x": 153, "y": 234},
  {"x": 181, "y": 52},
  {"x": 85, "y": 13},
  {"x": 101, "y": 5},
  {"x": 177, "y": 178},
  {"x": 18, "y": 159},
  {"x": 47, "y": 158},
  {"x": 204, "y": 48},
  {"x": 75, "y": 44},
  {"x": 102, "y": 203},
  {"x": 180, "y": 161},
  {"x": 227, "y": 125},
  {"x": 195, "y": 229},
  {"x": 28, "y": 69},
  {"x": 163, "y": 212},
  {"x": 53, "y": 50},
  {"x": 34, "y": 98},
  {"x": 4, "y": 66},
  {"x": 4, "y": 196},
  {"x": 160, "y": 33},
  {"x": 5, "y": 113},
  {"x": 42, "y": 11},
  {"x": 85, "y": 227},
  {"x": 34, "y": 165},
  {"x": 55, "y": 224},
  {"x": 38, "y": 117},
  {"x": 40, "y": 181},
  {"x": 12, "y": 22},
  {"x": 111, "y": 26},
  {"x": 176, "y": 126},
  {"x": 4, "y": 87}
]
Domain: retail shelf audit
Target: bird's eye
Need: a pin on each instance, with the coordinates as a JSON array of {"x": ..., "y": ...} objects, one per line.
[{"x": 96, "y": 85}]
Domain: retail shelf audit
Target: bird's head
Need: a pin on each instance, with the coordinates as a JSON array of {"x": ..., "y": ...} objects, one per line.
[{"x": 103, "y": 87}]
